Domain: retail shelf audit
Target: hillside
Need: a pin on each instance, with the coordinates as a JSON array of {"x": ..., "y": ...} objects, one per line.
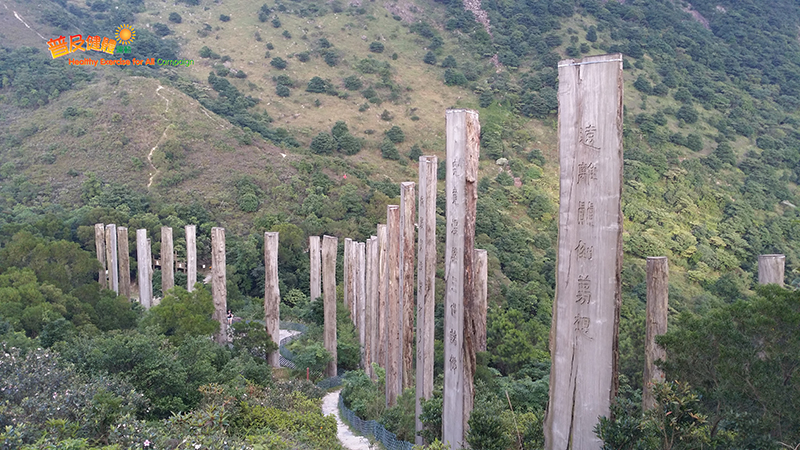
[{"x": 301, "y": 116}]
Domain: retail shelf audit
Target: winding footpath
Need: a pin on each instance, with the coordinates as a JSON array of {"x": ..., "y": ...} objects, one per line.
[{"x": 330, "y": 405}]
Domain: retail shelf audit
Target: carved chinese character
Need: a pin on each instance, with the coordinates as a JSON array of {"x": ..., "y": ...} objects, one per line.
[
  {"x": 587, "y": 172},
  {"x": 454, "y": 226},
  {"x": 458, "y": 167},
  {"x": 453, "y": 254},
  {"x": 453, "y": 309},
  {"x": 587, "y": 136},
  {"x": 581, "y": 324},
  {"x": 455, "y": 196},
  {"x": 584, "y": 294},
  {"x": 453, "y": 336},
  {"x": 584, "y": 251},
  {"x": 453, "y": 363},
  {"x": 586, "y": 213}
]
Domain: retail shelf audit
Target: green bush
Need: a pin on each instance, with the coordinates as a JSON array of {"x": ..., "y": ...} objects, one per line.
[
  {"x": 224, "y": 18},
  {"x": 430, "y": 58},
  {"x": 282, "y": 90},
  {"x": 389, "y": 151},
  {"x": 278, "y": 63},
  {"x": 317, "y": 85},
  {"x": 353, "y": 83},
  {"x": 161, "y": 30},
  {"x": 415, "y": 153},
  {"x": 395, "y": 134},
  {"x": 376, "y": 47},
  {"x": 349, "y": 144},
  {"x": 323, "y": 144},
  {"x": 182, "y": 314},
  {"x": 175, "y": 17}
]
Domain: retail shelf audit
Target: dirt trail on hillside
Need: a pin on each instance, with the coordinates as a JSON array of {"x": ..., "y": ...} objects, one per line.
[
  {"x": 330, "y": 405},
  {"x": 154, "y": 171}
]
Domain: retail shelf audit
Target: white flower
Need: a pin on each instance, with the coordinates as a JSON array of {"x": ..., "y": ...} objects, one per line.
[{"x": 147, "y": 442}]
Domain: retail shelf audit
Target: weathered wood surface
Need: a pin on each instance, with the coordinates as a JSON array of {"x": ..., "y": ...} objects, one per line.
[
  {"x": 408, "y": 213},
  {"x": 382, "y": 285},
  {"x": 153, "y": 299},
  {"x": 272, "y": 294},
  {"x": 124, "y": 262},
  {"x": 100, "y": 249},
  {"x": 315, "y": 255},
  {"x": 394, "y": 386},
  {"x": 583, "y": 339},
  {"x": 144, "y": 266},
  {"x": 219, "y": 290},
  {"x": 481, "y": 296},
  {"x": 370, "y": 319},
  {"x": 329, "y": 250},
  {"x": 462, "y": 152},
  {"x": 111, "y": 257},
  {"x": 347, "y": 277},
  {"x": 771, "y": 269},
  {"x": 426, "y": 281},
  {"x": 361, "y": 294},
  {"x": 191, "y": 257},
  {"x": 656, "y": 325},
  {"x": 167, "y": 260}
]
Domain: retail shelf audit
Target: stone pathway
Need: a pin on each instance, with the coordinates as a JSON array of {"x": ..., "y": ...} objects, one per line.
[{"x": 330, "y": 405}]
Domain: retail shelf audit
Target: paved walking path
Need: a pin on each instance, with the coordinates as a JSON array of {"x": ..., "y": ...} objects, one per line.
[{"x": 330, "y": 405}]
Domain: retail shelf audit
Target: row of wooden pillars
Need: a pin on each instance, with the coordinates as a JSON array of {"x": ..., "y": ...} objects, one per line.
[{"x": 111, "y": 244}]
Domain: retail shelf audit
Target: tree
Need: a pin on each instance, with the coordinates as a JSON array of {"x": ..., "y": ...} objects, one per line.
[
  {"x": 175, "y": 17},
  {"x": 687, "y": 113},
  {"x": 317, "y": 85},
  {"x": 282, "y": 91},
  {"x": 339, "y": 129},
  {"x": 591, "y": 35},
  {"x": 278, "y": 63},
  {"x": 161, "y": 30},
  {"x": 376, "y": 47},
  {"x": 323, "y": 144},
  {"x": 182, "y": 314},
  {"x": 415, "y": 153},
  {"x": 395, "y": 134},
  {"x": 429, "y": 58},
  {"x": 349, "y": 144},
  {"x": 353, "y": 83},
  {"x": 224, "y": 18},
  {"x": 694, "y": 142},
  {"x": 449, "y": 62},
  {"x": 389, "y": 151},
  {"x": 454, "y": 78}
]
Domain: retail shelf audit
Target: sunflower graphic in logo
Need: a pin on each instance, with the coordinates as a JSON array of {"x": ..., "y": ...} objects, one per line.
[{"x": 125, "y": 34}]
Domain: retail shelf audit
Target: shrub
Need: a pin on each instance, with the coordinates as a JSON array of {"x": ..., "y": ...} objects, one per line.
[
  {"x": 339, "y": 129},
  {"x": 429, "y": 58},
  {"x": 353, "y": 83},
  {"x": 454, "y": 78},
  {"x": 331, "y": 58},
  {"x": 415, "y": 153},
  {"x": 270, "y": 46},
  {"x": 449, "y": 62},
  {"x": 276, "y": 22},
  {"x": 175, "y": 17},
  {"x": 389, "y": 151},
  {"x": 386, "y": 115},
  {"x": 278, "y": 63},
  {"x": 349, "y": 144},
  {"x": 303, "y": 56},
  {"x": 324, "y": 43},
  {"x": 323, "y": 144},
  {"x": 395, "y": 134},
  {"x": 376, "y": 47},
  {"x": 224, "y": 17},
  {"x": 161, "y": 30},
  {"x": 286, "y": 34},
  {"x": 283, "y": 80},
  {"x": 182, "y": 314},
  {"x": 317, "y": 85}
]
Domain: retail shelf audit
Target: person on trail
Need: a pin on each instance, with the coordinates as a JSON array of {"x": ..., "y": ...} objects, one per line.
[{"x": 230, "y": 317}]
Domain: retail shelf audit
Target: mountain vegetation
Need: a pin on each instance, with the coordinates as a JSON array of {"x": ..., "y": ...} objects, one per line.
[{"x": 303, "y": 117}]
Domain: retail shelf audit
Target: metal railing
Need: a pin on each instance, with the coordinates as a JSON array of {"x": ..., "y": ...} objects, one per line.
[{"x": 372, "y": 428}]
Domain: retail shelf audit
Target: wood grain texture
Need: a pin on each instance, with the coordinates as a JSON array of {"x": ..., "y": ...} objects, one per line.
[
  {"x": 361, "y": 294},
  {"x": 347, "y": 277},
  {"x": 426, "y": 283},
  {"x": 144, "y": 267},
  {"x": 272, "y": 294},
  {"x": 191, "y": 257},
  {"x": 153, "y": 300},
  {"x": 329, "y": 249},
  {"x": 219, "y": 281},
  {"x": 656, "y": 325},
  {"x": 481, "y": 296},
  {"x": 583, "y": 339},
  {"x": 100, "y": 249},
  {"x": 408, "y": 213},
  {"x": 382, "y": 285},
  {"x": 124, "y": 262},
  {"x": 111, "y": 257},
  {"x": 394, "y": 381},
  {"x": 167, "y": 260},
  {"x": 771, "y": 269},
  {"x": 372, "y": 304},
  {"x": 315, "y": 256}
]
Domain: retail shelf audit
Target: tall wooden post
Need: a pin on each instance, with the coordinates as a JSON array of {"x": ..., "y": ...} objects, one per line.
[
  {"x": 584, "y": 334},
  {"x": 100, "y": 249},
  {"x": 394, "y": 385},
  {"x": 315, "y": 255},
  {"x": 347, "y": 277},
  {"x": 153, "y": 299},
  {"x": 408, "y": 212},
  {"x": 219, "y": 281},
  {"x": 272, "y": 294},
  {"x": 382, "y": 285},
  {"x": 657, "y": 304},
  {"x": 124, "y": 262},
  {"x": 771, "y": 269},
  {"x": 111, "y": 257},
  {"x": 462, "y": 147},
  {"x": 191, "y": 257},
  {"x": 167, "y": 261},
  {"x": 329, "y": 249},
  {"x": 426, "y": 280},
  {"x": 370, "y": 322},
  {"x": 144, "y": 269},
  {"x": 481, "y": 297},
  {"x": 361, "y": 294}
]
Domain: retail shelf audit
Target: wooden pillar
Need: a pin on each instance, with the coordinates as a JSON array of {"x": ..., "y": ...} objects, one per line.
[
  {"x": 481, "y": 296},
  {"x": 347, "y": 277},
  {"x": 315, "y": 256},
  {"x": 408, "y": 213},
  {"x": 124, "y": 262},
  {"x": 111, "y": 257},
  {"x": 191, "y": 257},
  {"x": 462, "y": 150},
  {"x": 656, "y": 325},
  {"x": 426, "y": 280},
  {"x": 771, "y": 269},
  {"x": 394, "y": 385},
  {"x": 144, "y": 269},
  {"x": 168, "y": 260},
  {"x": 382, "y": 285},
  {"x": 272, "y": 294},
  {"x": 329, "y": 249},
  {"x": 153, "y": 299},
  {"x": 100, "y": 249},
  {"x": 219, "y": 281},
  {"x": 361, "y": 293},
  {"x": 370, "y": 322},
  {"x": 584, "y": 334}
]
